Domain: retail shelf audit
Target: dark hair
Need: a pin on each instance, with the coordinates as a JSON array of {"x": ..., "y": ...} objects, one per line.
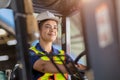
[{"x": 40, "y": 23}]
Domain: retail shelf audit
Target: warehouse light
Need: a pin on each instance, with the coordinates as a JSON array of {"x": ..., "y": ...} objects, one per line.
[
  {"x": 4, "y": 57},
  {"x": 2, "y": 32},
  {"x": 12, "y": 42}
]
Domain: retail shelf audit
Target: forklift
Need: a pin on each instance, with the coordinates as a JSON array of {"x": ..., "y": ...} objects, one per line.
[{"x": 90, "y": 30}]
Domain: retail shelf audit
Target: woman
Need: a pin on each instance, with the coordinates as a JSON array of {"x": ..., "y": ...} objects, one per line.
[{"x": 43, "y": 68}]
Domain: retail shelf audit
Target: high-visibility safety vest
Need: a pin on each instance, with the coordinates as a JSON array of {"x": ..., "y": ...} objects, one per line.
[{"x": 46, "y": 76}]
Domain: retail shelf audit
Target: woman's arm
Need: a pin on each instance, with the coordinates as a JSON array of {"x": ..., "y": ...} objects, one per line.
[{"x": 48, "y": 66}]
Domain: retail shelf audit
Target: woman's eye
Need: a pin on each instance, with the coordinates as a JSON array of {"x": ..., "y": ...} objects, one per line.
[
  {"x": 50, "y": 27},
  {"x": 47, "y": 26}
]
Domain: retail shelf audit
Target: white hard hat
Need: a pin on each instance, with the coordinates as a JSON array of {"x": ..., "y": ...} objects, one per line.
[{"x": 47, "y": 15}]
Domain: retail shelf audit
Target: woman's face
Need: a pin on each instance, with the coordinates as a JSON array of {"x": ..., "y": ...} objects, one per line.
[{"x": 48, "y": 31}]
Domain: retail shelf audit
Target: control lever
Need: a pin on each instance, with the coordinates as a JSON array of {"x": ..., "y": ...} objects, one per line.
[{"x": 17, "y": 66}]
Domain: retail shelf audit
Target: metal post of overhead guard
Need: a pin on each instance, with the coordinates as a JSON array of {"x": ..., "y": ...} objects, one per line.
[
  {"x": 63, "y": 37},
  {"x": 21, "y": 36},
  {"x": 66, "y": 34}
]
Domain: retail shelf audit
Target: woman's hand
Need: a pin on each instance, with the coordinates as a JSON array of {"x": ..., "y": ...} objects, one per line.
[{"x": 81, "y": 67}]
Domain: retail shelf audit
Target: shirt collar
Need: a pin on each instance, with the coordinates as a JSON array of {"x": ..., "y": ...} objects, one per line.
[{"x": 54, "y": 50}]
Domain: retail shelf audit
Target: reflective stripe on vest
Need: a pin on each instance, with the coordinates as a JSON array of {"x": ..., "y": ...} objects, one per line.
[{"x": 57, "y": 76}]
